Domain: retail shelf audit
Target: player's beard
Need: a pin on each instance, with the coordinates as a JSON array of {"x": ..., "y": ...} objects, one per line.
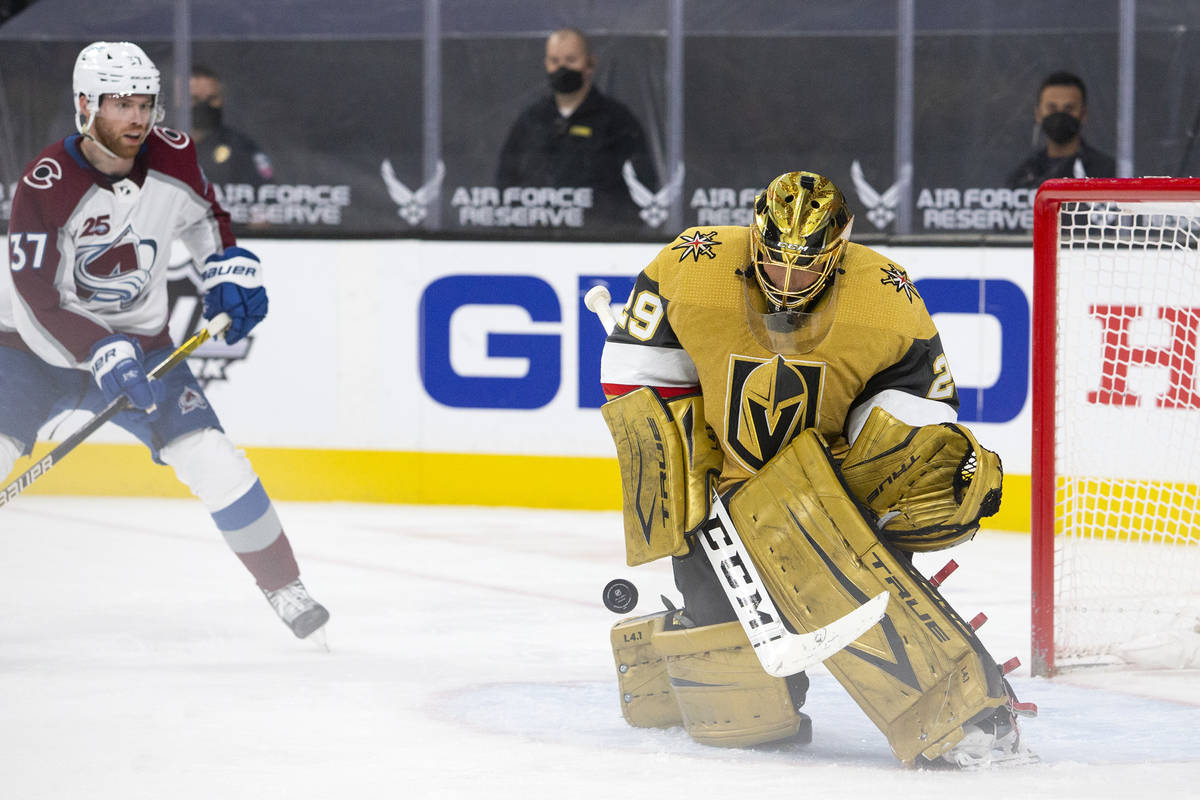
[{"x": 119, "y": 136}]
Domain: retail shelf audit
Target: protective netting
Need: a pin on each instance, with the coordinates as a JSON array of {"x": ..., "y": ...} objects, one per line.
[{"x": 1127, "y": 434}]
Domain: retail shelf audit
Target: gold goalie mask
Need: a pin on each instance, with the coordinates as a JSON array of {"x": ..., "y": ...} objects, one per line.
[{"x": 800, "y": 229}]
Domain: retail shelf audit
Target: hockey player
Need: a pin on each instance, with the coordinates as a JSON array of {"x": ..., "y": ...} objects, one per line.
[
  {"x": 83, "y": 311},
  {"x": 801, "y": 377}
]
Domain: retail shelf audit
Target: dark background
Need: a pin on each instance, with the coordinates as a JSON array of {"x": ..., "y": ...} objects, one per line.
[{"x": 329, "y": 93}]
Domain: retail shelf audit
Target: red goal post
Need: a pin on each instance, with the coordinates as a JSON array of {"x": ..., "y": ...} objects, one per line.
[{"x": 1116, "y": 423}]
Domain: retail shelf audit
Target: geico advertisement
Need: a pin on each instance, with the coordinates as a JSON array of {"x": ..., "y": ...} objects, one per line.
[{"x": 484, "y": 347}]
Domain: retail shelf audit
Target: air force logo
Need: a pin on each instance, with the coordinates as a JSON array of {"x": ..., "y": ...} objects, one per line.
[
  {"x": 654, "y": 205},
  {"x": 413, "y": 206},
  {"x": 881, "y": 208}
]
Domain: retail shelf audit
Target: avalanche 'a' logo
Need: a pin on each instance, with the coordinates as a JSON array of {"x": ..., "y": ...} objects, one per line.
[
  {"x": 114, "y": 273},
  {"x": 895, "y": 276},
  {"x": 769, "y": 402}
]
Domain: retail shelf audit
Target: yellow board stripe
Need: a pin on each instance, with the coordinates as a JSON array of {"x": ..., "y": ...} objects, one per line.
[{"x": 395, "y": 477}]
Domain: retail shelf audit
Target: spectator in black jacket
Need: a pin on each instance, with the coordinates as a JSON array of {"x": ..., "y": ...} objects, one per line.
[
  {"x": 1060, "y": 112},
  {"x": 225, "y": 154},
  {"x": 577, "y": 137}
]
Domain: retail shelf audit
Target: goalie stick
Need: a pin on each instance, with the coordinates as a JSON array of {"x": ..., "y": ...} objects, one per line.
[
  {"x": 599, "y": 301},
  {"x": 215, "y": 327},
  {"x": 781, "y": 652}
]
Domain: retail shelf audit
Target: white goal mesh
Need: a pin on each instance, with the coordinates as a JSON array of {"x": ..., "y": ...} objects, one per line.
[{"x": 1126, "y": 432}]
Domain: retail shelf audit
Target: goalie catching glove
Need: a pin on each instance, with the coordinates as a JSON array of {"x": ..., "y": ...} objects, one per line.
[{"x": 928, "y": 487}]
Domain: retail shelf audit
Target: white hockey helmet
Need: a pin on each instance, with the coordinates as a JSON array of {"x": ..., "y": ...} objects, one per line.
[{"x": 120, "y": 68}]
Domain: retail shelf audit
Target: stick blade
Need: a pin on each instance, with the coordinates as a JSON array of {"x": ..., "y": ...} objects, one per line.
[{"x": 794, "y": 653}]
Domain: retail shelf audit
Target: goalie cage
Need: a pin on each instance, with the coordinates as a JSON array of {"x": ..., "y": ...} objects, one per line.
[{"x": 1116, "y": 424}]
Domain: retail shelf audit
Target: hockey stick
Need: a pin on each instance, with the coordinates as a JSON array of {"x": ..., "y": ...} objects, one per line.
[
  {"x": 215, "y": 327},
  {"x": 780, "y": 651},
  {"x": 599, "y": 301}
]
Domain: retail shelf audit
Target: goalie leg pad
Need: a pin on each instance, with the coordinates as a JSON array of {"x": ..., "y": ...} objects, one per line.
[
  {"x": 919, "y": 674},
  {"x": 723, "y": 694},
  {"x": 667, "y": 457},
  {"x": 646, "y": 697}
]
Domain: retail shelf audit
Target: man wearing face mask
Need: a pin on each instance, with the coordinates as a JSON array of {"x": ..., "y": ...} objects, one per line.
[
  {"x": 578, "y": 137},
  {"x": 226, "y": 155},
  {"x": 1060, "y": 112}
]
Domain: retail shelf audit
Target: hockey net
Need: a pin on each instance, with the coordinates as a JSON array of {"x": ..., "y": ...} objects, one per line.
[{"x": 1116, "y": 424}]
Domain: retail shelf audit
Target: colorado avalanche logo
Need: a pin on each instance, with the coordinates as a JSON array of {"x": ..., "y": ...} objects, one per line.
[
  {"x": 177, "y": 139},
  {"x": 44, "y": 173},
  {"x": 114, "y": 273}
]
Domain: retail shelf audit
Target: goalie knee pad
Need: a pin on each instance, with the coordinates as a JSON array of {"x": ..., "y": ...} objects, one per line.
[
  {"x": 724, "y": 696},
  {"x": 209, "y": 464}
]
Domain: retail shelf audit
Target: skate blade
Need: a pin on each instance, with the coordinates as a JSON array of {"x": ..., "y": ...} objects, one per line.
[
  {"x": 318, "y": 640},
  {"x": 1002, "y": 761}
]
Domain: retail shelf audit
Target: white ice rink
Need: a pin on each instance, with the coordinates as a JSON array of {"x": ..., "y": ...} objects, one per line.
[{"x": 469, "y": 658}]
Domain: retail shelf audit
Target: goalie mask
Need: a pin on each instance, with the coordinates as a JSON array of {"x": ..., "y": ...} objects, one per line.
[
  {"x": 800, "y": 229},
  {"x": 112, "y": 68}
]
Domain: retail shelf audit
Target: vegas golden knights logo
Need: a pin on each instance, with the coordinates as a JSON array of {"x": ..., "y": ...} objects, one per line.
[{"x": 769, "y": 402}]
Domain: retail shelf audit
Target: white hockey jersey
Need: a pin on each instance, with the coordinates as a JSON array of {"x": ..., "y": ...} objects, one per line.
[{"x": 88, "y": 255}]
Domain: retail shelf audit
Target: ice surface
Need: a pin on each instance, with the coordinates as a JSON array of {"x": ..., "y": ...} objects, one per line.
[{"x": 470, "y": 659}]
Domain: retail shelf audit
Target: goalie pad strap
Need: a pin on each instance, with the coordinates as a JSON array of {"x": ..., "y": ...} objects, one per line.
[
  {"x": 928, "y": 486},
  {"x": 920, "y": 673},
  {"x": 667, "y": 455}
]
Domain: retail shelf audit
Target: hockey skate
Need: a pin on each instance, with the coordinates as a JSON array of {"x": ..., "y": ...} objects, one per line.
[
  {"x": 994, "y": 741},
  {"x": 297, "y": 609}
]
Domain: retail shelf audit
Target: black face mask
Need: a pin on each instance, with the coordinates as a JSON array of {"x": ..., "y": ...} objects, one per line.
[
  {"x": 565, "y": 80},
  {"x": 1060, "y": 127},
  {"x": 206, "y": 117}
]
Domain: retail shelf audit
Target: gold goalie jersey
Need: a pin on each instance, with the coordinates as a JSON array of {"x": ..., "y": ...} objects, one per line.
[{"x": 686, "y": 328}]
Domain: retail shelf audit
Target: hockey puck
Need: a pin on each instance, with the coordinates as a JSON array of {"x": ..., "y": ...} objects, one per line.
[{"x": 620, "y": 596}]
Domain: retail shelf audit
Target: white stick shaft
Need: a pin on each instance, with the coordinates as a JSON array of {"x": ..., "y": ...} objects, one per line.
[
  {"x": 781, "y": 652},
  {"x": 600, "y": 302}
]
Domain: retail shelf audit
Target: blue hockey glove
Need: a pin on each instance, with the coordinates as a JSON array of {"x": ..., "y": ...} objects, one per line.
[
  {"x": 232, "y": 283},
  {"x": 117, "y": 368}
]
